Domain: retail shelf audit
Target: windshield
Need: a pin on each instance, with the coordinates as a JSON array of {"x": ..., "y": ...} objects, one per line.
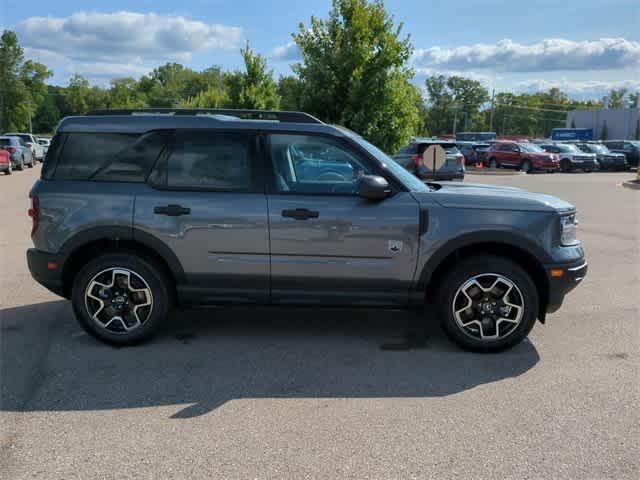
[
  {"x": 530, "y": 147},
  {"x": 596, "y": 148},
  {"x": 568, "y": 148},
  {"x": 408, "y": 179}
]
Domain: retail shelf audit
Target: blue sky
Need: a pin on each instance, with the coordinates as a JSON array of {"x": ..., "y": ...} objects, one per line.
[{"x": 584, "y": 47}]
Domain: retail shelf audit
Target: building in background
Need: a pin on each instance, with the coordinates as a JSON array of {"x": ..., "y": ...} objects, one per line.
[{"x": 621, "y": 123}]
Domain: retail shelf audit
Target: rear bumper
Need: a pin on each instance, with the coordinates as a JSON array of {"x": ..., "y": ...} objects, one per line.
[
  {"x": 572, "y": 275},
  {"x": 41, "y": 265}
]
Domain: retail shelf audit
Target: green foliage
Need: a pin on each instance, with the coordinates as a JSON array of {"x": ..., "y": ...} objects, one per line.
[
  {"x": 455, "y": 97},
  {"x": 353, "y": 72},
  {"x": 290, "y": 90},
  {"x": 634, "y": 99},
  {"x": 22, "y": 87},
  {"x": 254, "y": 88},
  {"x": 617, "y": 98},
  {"x": 604, "y": 131},
  {"x": 212, "y": 97}
]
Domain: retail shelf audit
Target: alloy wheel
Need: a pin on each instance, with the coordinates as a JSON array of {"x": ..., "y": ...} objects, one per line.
[
  {"x": 118, "y": 300},
  {"x": 488, "y": 306}
]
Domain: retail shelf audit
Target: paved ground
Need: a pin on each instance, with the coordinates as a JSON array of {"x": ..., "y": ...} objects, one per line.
[{"x": 234, "y": 393}]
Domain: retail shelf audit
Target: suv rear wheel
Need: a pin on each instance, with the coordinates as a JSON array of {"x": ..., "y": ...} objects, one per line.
[
  {"x": 526, "y": 166},
  {"x": 488, "y": 304},
  {"x": 493, "y": 163},
  {"x": 121, "y": 298}
]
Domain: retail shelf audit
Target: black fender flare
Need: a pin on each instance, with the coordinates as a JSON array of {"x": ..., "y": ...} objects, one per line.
[
  {"x": 129, "y": 234},
  {"x": 494, "y": 237}
]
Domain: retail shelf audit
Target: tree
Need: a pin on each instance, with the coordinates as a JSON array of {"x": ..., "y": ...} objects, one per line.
[
  {"x": 290, "y": 90},
  {"x": 77, "y": 94},
  {"x": 124, "y": 94},
  {"x": 353, "y": 72},
  {"x": 604, "y": 132},
  {"x": 634, "y": 99},
  {"x": 254, "y": 88},
  {"x": 450, "y": 97},
  {"x": 212, "y": 97},
  {"x": 47, "y": 116},
  {"x": 616, "y": 98}
]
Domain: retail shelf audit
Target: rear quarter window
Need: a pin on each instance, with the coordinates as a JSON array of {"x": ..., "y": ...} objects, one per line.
[{"x": 108, "y": 157}]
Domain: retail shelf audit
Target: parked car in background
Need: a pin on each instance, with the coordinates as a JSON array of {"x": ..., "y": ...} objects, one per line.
[
  {"x": 19, "y": 153},
  {"x": 475, "y": 136},
  {"x": 473, "y": 152},
  {"x": 524, "y": 156},
  {"x": 32, "y": 142},
  {"x": 5, "y": 163},
  {"x": 411, "y": 158},
  {"x": 629, "y": 148},
  {"x": 607, "y": 160},
  {"x": 135, "y": 212},
  {"x": 45, "y": 142},
  {"x": 571, "y": 157}
]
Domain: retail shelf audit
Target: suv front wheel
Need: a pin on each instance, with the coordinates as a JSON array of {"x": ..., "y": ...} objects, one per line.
[
  {"x": 488, "y": 303},
  {"x": 121, "y": 298}
]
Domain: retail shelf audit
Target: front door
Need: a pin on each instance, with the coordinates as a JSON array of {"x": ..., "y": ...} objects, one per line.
[
  {"x": 208, "y": 206},
  {"x": 328, "y": 245}
]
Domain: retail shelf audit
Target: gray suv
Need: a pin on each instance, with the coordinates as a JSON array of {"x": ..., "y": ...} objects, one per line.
[{"x": 137, "y": 213}]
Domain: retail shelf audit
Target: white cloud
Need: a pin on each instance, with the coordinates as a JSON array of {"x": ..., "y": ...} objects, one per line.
[
  {"x": 289, "y": 52},
  {"x": 578, "y": 89},
  {"x": 552, "y": 54},
  {"x": 120, "y": 41}
]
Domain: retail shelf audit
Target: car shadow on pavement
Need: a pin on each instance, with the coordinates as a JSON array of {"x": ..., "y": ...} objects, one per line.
[{"x": 205, "y": 358}]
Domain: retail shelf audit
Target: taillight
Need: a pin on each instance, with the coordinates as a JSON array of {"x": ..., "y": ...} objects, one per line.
[
  {"x": 34, "y": 213},
  {"x": 417, "y": 160}
]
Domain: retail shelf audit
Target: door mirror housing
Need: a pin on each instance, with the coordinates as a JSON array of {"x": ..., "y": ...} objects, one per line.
[{"x": 373, "y": 187}]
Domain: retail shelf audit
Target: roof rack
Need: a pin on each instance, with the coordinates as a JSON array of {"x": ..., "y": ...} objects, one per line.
[{"x": 270, "y": 115}]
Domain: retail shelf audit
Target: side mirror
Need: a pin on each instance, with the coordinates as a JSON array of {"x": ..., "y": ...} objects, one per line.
[{"x": 373, "y": 187}]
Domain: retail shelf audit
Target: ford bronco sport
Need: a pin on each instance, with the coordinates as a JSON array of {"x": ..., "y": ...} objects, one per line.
[{"x": 136, "y": 212}]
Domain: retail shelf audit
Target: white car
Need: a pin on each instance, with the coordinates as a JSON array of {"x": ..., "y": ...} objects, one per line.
[
  {"x": 45, "y": 142},
  {"x": 32, "y": 142}
]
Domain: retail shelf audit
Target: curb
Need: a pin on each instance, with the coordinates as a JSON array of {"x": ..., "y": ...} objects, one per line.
[
  {"x": 631, "y": 184},
  {"x": 492, "y": 171}
]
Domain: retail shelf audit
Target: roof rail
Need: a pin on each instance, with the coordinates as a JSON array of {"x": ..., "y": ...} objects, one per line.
[{"x": 273, "y": 115}]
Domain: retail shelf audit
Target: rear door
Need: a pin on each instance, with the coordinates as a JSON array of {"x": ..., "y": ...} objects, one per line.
[
  {"x": 328, "y": 245},
  {"x": 207, "y": 204}
]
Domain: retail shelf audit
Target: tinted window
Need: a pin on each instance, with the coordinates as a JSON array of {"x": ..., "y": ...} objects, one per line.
[
  {"x": 210, "y": 161},
  {"x": 309, "y": 164},
  {"x": 5, "y": 141},
  {"x": 133, "y": 163},
  {"x": 85, "y": 153},
  {"x": 108, "y": 156}
]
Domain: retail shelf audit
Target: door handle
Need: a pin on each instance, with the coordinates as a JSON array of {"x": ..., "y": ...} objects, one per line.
[
  {"x": 172, "y": 210},
  {"x": 300, "y": 214}
]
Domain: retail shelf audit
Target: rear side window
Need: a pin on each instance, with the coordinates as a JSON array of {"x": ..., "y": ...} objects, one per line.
[
  {"x": 108, "y": 157},
  {"x": 210, "y": 161},
  {"x": 5, "y": 141}
]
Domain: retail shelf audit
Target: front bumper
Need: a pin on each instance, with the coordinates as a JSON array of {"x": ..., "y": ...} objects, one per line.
[
  {"x": 46, "y": 269},
  {"x": 562, "y": 278}
]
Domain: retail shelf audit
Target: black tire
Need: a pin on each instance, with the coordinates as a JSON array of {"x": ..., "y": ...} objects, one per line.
[
  {"x": 32, "y": 163},
  {"x": 20, "y": 166},
  {"x": 526, "y": 166},
  {"x": 565, "y": 165},
  {"x": 493, "y": 163},
  {"x": 156, "y": 281},
  {"x": 492, "y": 265}
]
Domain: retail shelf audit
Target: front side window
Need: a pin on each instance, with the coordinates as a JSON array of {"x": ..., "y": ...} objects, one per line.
[
  {"x": 210, "y": 161},
  {"x": 314, "y": 165}
]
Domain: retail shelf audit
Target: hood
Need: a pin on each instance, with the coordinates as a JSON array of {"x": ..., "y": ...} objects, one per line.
[{"x": 480, "y": 196}]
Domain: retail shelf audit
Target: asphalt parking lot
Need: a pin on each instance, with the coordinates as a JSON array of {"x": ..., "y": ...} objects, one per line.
[{"x": 258, "y": 393}]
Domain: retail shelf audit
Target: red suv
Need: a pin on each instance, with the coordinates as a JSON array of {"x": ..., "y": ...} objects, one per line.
[{"x": 524, "y": 156}]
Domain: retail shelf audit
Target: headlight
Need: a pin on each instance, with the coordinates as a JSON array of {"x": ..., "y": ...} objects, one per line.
[{"x": 568, "y": 229}]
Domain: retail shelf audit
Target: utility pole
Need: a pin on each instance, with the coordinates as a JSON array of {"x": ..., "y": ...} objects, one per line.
[
  {"x": 29, "y": 113},
  {"x": 493, "y": 106},
  {"x": 455, "y": 120}
]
